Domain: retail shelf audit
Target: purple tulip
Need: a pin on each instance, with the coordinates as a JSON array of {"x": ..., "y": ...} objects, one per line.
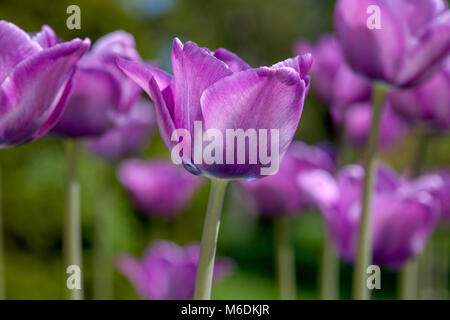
[
  {"x": 36, "y": 78},
  {"x": 328, "y": 59},
  {"x": 222, "y": 92},
  {"x": 158, "y": 188},
  {"x": 348, "y": 95},
  {"x": 280, "y": 194},
  {"x": 407, "y": 46},
  {"x": 357, "y": 122},
  {"x": 127, "y": 139},
  {"x": 445, "y": 196},
  {"x": 167, "y": 271},
  {"x": 404, "y": 215},
  {"x": 429, "y": 102},
  {"x": 102, "y": 95}
]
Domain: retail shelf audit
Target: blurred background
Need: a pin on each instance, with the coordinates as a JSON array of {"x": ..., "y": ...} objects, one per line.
[{"x": 260, "y": 31}]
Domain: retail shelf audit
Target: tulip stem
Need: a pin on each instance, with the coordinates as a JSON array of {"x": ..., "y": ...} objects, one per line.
[
  {"x": 408, "y": 277},
  {"x": 2, "y": 254},
  {"x": 72, "y": 225},
  {"x": 329, "y": 272},
  {"x": 205, "y": 269},
  {"x": 103, "y": 273},
  {"x": 364, "y": 251},
  {"x": 285, "y": 258}
]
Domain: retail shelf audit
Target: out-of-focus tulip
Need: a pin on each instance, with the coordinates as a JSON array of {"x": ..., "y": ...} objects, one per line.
[
  {"x": 348, "y": 94},
  {"x": 158, "y": 188},
  {"x": 357, "y": 122},
  {"x": 223, "y": 92},
  {"x": 102, "y": 94},
  {"x": 279, "y": 194},
  {"x": 404, "y": 215},
  {"x": 167, "y": 271},
  {"x": 127, "y": 139},
  {"x": 36, "y": 76},
  {"x": 428, "y": 103},
  {"x": 407, "y": 46}
]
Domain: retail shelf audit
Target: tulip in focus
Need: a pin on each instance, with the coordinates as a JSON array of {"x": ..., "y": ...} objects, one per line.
[
  {"x": 167, "y": 271},
  {"x": 222, "y": 92},
  {"x": 127, "y": 139},
  {"x": 158, "y": 188},
  {"x": 404, "y": 214},
  {"x": 36, "y": 78}
]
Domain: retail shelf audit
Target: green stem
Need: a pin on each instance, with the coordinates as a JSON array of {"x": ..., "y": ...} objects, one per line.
[
  {"x": 364, "y": 252},
  {"x": 72, "y": 219},
  {"x": 329, "y": 272},
  {"x": 2, "y": 254},
  {"x": 285, "y": 258},
  {"x": 205, "y": 269},
  {"x": 408, "y": 277},
  {"x": 103, "y": 272},
  {"x": 408, "y": 281}
]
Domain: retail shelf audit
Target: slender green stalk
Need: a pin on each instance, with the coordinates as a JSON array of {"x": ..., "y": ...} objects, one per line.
[
  {"x": 72, "y": 219},
  {"x": 285, "y": 259},
  {"x": 2, "y": 254},
  {"x": 408, "y": 281},
  {"x": 329, "y": 272},
  {"x": 205, "y": 269},
  {"x": 408, "y": 277},
  {"x": 102, "y": 256},
  {"x": 364, "y": 253}
]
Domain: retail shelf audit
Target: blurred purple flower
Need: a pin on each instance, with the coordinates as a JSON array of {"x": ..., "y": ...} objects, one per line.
[
  {"x": 158, "y": 188},
  {"x": 410, "y": 45},
  {"x": 224, "y": 92},
  {"x": 102, "y": 94},
  {"x": 357, "y": 122},
  {"x": 280, "y": 194},
  {"x": 404, "y": 215},
  {"x": 127, "y": 139},
  {"x": 429, "y": 102},
  {"x": 167, "y": 271},
  {"x": 348, "y": 95},
  {"x": 36, "y": 78}
]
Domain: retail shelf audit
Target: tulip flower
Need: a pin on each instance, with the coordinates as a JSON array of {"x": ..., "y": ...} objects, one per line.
[
  {"x": 397, "y": 44},
  {"x": 404, "y": 213},
  {"x": 100, "y": 101},
  {"x": 279, "y": 197},
  {"x": 36, "y": 77},
  {"x": 102, "y": 95},
  {"x": 167, "y": 271},
  {"x": 348, "y": 95},
  {"x": 129, "y": 138},
  {"x": 158, "y": 188},
  {"x": 428, "y": 103},
  {"x": 406, "y": 46},
  {"x": 279, "y": 194},
  {"x": 213, "y": 95}
]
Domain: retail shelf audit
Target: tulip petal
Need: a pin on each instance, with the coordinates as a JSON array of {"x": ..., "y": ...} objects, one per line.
[
  {"x": 46, "y": 37},
  {"x": 302, "y": 64},
  {"x": 256, "y": 99},
  {"x": 155, "y": 83},
  {"x": 194, "y": 70},
  {"x": 231, "y": 59},
  {"x": 16, "y": 46},
  {"x": 426, "y": 55},
  {"x": 377, "y": 53},
  {"x": 33, "y": 95}
]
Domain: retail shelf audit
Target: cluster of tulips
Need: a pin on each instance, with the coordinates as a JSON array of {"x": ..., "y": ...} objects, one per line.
[{"x": 379, "y": 85}]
